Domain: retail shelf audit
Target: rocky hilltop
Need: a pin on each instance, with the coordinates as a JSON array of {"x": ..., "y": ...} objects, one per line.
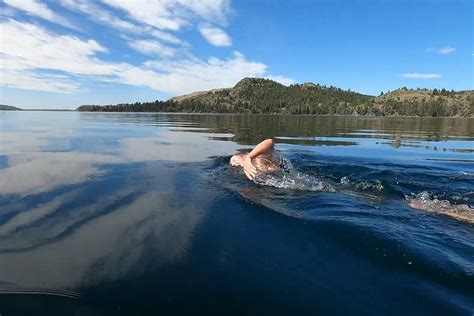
[{"x": 257, "y": 95}]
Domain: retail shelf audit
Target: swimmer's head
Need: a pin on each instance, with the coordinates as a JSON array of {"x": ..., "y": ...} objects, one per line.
[{"x": 237, "y": 160}]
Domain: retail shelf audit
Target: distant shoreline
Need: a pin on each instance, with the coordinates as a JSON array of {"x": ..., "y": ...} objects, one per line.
[
  {"x": 274, "y": 114},
  {"x": 264, "y": 96},
  {"x": 38, "y": 110},
  {"x": 241, "y": 114}
]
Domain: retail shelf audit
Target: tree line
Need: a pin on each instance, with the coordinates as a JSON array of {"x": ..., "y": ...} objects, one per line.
[{"x": 263, "y": 96}]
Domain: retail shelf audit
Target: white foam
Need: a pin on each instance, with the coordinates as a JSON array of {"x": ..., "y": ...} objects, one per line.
[
  {"x": 363, "y": 185},
  {"x": 295, "y": 181}
]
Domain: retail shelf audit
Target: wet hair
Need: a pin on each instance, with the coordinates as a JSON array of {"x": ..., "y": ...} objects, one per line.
[{"x": 236, "y": 154}]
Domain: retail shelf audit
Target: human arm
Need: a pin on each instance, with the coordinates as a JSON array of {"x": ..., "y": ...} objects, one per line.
[{"x": 263, "y": 148}]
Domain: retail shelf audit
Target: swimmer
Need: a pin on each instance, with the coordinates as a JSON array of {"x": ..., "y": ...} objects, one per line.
[
  {"x": 426, "y": 203},
  {"x": 259, "y": 160}
]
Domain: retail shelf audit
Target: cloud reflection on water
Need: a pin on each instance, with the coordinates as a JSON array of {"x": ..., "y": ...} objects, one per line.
[
  {"x": 30, "y": 170},
  {"x": 63, "y": 236},
  {"x": 175, "y": 146},
  {"x": 106, "y": 247},
  {"x": 34, "y": 214},
  {"x": 37, "y": 172}
]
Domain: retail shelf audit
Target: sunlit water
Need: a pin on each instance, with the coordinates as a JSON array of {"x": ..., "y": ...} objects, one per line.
[{"x": 122, "y": 213}]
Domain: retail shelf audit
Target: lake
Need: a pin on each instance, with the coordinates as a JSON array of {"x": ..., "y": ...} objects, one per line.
[{"x": 140, "y": 213}]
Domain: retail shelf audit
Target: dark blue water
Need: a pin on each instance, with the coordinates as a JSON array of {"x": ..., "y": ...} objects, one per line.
[{"x": 139, "y": 214}]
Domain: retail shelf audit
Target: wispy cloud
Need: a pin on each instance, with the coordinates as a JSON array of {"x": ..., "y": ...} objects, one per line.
[
  {"x": 152, "y": 47},
  {"x": 31, "y": 80},
  {"x": 39, "y": 9},
  {"x": 30, "y": 51},
  {"x": 281, "y": 79},
  {"x": 184, "y": 76},
  {"x": 441, "y": 50},
  {"x": 415, "y": 75},
  {"x": 172, "y": 14},
  {"x": 32, "y": 7},
  {"x": 215, "y": 36},
  {"x": 99, "y": 14},
  {"x": 165, "y": 36},
  {"x": 28, "y": 46}
]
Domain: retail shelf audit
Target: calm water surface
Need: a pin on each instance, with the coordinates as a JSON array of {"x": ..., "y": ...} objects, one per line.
[{"x": 129, "y": 214}]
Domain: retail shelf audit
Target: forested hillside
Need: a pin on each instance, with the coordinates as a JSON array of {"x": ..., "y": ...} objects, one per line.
[{"x": 255, "y": 95}]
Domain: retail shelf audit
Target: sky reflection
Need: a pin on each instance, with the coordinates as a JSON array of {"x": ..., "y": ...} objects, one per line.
[
  {"x": 31, "y": 169},
  {"x": 78, "y": 211},
  {"x": 78, "y": 239}
]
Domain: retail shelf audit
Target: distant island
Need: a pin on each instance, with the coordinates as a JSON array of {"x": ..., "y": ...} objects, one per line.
[
  {"x": 264, "y": 96},
  {"x": 9, "y": 108}
]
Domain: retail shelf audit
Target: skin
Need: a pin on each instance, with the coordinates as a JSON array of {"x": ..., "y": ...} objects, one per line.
[
  {"x": 261, "y": 156},
  {"x": 461, "y": 212}
]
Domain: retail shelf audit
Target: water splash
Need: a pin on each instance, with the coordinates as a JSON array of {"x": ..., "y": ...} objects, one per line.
[
  {"x": 362, "y": 185},
  {"x": 294, "y": 181},
  {"x": 289, "y": 178},
  {"x": 430, "y": 203}
]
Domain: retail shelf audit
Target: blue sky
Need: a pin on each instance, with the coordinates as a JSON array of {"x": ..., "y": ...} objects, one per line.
[{"x": 65, "y": 53}]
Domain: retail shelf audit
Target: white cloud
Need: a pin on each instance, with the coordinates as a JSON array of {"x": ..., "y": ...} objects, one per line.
[
  {"x": 27, "y": 46},
  {"x": 281, "y": 79},
  {"x": 32, "y": 7},
  {"x": 152, "y": 18},
  {"x": 157, "y": 14},
  {"x": 164, "y": 36},
  {"x": 210, "y": 10},
  {"x": 39, "y": 9},
  {"x": 441, "y": 50},
  {"x": 172, "y": 14},
  {"x": 30, "y": 58},
  {"x": 414, "y": 75},
  {"x": 151, "y": 47},
  {"x": 32, "y": 81},
  {"x": 28, "y": 50},
  {"x": 186, "y": 76},
  {"x": 215, "y": 36},
  {"x": 446, "y": 50},
  {"x": 99, "y": 15}
]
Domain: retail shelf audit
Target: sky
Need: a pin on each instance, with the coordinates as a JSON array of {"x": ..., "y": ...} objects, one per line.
[{"x": 66, "y": 53}]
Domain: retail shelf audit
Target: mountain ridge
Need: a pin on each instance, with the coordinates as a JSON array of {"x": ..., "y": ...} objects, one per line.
[{"x": 265, "y": 96}]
